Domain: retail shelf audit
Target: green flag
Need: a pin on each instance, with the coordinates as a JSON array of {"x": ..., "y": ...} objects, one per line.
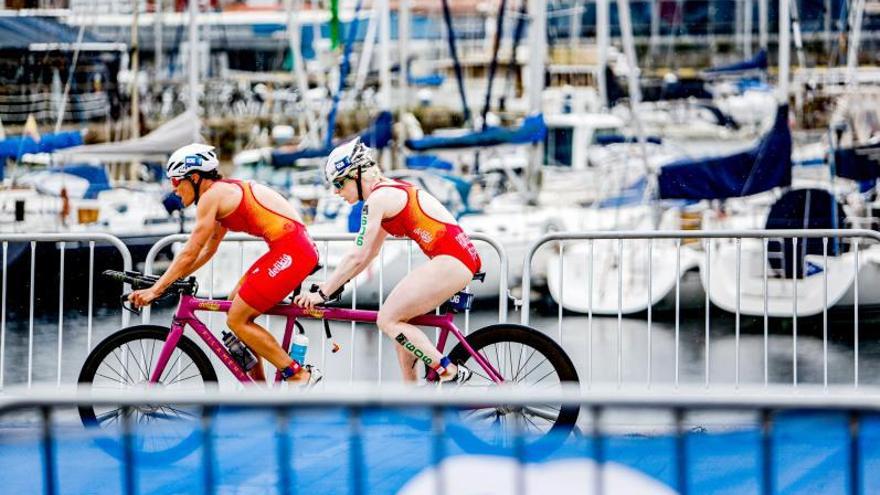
[{"x": 334, "y": 24}]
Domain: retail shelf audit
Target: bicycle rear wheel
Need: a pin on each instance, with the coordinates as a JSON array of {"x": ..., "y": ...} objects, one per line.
[
  {"x": 525, "y": 357},
  {"x": 124, "y": 361}
]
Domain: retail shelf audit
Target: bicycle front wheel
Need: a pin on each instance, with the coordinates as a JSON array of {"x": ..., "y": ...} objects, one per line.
[
  {"x": 527, "y": 358},
  {"x": 124, "y": 361}
]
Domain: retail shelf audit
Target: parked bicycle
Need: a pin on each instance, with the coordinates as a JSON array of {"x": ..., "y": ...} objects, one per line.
[{"x": 150, "y": 355}]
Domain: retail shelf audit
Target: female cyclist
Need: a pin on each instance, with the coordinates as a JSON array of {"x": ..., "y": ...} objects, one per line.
[
  {"x": 227, "y": 204},
  {"x": 400, "y": 209}
]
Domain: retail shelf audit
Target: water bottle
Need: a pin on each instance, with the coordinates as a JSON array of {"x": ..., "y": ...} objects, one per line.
[
  {"x": 239, "y": 351},
  {"x": 300, "y": 346}
]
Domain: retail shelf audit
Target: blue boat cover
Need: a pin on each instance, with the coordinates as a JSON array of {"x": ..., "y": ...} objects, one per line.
[
  {"x": 433, "y": 80},
  {"x": 680, "y": 89},
  {"x": 532, "y": 130},
  {"x": 606, "y": 139},
  {"x": 96, "y": 175},
  {"x": 19, "y": 32},
  {"x": 803, "y": 209},
  {"x": 378, "y": 135},
  {"x": 758, "y": 62},
  {"x": 721, "y": 118},
  {"x": 15, "y": 147},
  {"x": 764, "y": 167},
  {"x": 427, "y": 162},
  {"x": 858, "y": 163}
]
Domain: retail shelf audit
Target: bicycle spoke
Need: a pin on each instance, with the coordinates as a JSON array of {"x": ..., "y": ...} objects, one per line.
[
  {"x": 518, "y": 360},
  {"x": 112, "y": 379},
  {"x": 181, "y": 413},
  {"x": 171, "y": 364},
  {"x": 152, "y": 353},
  {"x": 115, "y": 371},
  {"x": 485, "y": 413},
  {"x": 552, "y": 371},
  {"x": 174, "y": 379},
  {"x": 134, "y": 358},
  {"x": 509, "y": 358},
  {"x": 529, "y": 421},
  {"x": 484, "y": 377},
  {"x": 532, "y": 370},
  {"x": 538, "y": 412},
  {"x": 516, "y": 376},
  {"x": 144, "y": 354},
  {"x": 122, "y": 365},
  {"x": 161, "y": 415},
  {"x": 109, "y": 415},
  {"x": 190, "y": 377}
]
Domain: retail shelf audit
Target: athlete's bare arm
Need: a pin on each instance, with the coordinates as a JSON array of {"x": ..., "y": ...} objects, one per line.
[
  {"x": 185, "y": 262},
  {"x": 210, "y": 248},
  {"x": 381, "y": 204}
]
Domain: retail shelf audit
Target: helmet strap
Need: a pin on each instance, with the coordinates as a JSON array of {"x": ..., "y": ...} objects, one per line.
[
  {"x": 359, "y": 185},
  {"x": 196, "y": 187}
]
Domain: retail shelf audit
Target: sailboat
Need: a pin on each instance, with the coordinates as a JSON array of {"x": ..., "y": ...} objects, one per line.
[{"x": 618, "y": 279}]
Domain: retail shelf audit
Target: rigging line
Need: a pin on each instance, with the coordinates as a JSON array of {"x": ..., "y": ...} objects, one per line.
[
  {"x": 70, "y": 74},
  {"x": 459, "y": 76},
  {"x": 521, "y": 17},
  {"x": 493, "y": 65},
  {"x": 344, "y": 67}
]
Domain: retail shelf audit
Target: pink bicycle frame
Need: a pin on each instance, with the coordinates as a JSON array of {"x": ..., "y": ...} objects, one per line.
[{"x": 185, "y": 315}]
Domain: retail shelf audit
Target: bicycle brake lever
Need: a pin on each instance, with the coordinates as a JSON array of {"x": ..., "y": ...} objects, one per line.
[{"x": 123, "y": 299}]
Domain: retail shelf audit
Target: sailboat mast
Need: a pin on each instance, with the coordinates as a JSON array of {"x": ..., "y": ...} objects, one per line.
[
  {"x": 747, "y": 29},
  {"x": 852, "y": 54},
  {"x": 784, "y": 49},
  {"x": 762, "y": 24},
  {"x": 135, "y": 121},
  {"x": 157, "y": 37},
  {"x": 403, "y": 36},
  {"x": 602, "y": 24},
  {"x": 536, "y": 67},
  {"x": 294, "y": 36},
  {"x": 193, "y": 104}
]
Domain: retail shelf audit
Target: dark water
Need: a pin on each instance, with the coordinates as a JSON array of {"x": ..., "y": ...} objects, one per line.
[{"x": 604, "y": 351}]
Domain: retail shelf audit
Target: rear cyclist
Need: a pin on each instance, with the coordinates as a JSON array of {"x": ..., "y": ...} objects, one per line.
[
  {"x": 240, "y": 206},
  {"x": 400, "y": 209}
]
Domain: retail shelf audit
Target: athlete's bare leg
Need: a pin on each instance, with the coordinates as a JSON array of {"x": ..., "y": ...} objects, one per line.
[
  {"x": 422, "y": 290},
  {"x": 240, "y": 319},
  {"x": 257, "y": 373}
]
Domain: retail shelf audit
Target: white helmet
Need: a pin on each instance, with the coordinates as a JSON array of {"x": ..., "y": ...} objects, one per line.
[
  {"x": 191, "y": 158},
  {"x": 347, "y": 157}
]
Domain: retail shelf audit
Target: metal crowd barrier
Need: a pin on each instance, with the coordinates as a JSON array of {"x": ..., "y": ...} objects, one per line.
[
  {"x": 323, "y": 242},
  {"x": 830, "y": 238},
  {"x": 62, "y": 240},
  {"x": 687, "y": 407}
]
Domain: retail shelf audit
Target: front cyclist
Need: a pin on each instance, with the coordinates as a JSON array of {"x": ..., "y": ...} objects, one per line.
[
  {"x": 227, "y": 204},
  {"x": 400, "y": 209}
]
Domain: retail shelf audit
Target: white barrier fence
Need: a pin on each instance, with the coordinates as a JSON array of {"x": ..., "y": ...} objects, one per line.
[
  {"x": 685, "y": 407},
  {"x": 24, "y": 292},
  {"x": 739, "y": 266},
  {"x": 789, "y": 276}
]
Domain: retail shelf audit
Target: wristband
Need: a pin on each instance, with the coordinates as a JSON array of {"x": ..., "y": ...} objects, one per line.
[{"x": 323, "y": 296}]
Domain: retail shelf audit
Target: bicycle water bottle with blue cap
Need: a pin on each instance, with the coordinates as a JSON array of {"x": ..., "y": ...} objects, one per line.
[{"x": 299, "y": 348}]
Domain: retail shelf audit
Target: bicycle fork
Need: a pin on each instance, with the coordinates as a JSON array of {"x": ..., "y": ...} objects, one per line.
[{"x": 167, "y": 350}]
